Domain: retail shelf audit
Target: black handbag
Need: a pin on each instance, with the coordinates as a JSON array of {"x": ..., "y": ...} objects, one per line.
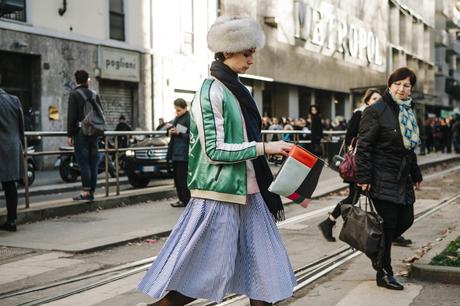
[{"x": 363, "y": 229}]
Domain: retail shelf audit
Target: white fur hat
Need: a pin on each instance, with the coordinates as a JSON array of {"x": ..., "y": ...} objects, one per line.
[{"x": 235, "y": 34}]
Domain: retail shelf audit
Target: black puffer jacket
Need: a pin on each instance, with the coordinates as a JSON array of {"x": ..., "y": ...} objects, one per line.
[{"x": 381, "y": 158}]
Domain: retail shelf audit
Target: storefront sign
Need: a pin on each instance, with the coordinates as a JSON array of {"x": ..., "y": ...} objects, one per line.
[
  {"x": 329, "y": 30},
  {"x": 118, "y": 64}
]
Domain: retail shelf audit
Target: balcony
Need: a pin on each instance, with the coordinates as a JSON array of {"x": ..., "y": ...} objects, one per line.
[
  {"x": 453, "y": 44},
  {"x": 442, "y": 7},
  {"x": 454, "y": 74},
  {"x": 442, "y": 69},
  {"x": 441, "y": 38}
]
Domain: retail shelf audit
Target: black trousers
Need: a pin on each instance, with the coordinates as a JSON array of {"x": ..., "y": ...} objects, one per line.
[
  {"x": 397, "y": 219},
  {"x": 180, "y": 169},
  {"x": 87, "y": 157},
  {"x": 352, "y": 190},
  {"x": 11, "y": 197}
]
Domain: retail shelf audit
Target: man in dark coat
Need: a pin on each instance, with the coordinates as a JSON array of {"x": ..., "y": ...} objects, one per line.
[
  {"x": 85, "y": 146},
  {"x": 178, "y": 151},
  {"x": 123, "y": 127},
  {"x": 316, "y": 129},
  {"x": 11, "y": 150}
]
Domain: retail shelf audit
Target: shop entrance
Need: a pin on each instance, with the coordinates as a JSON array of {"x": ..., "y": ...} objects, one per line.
[{"x": 20, "y": 76}]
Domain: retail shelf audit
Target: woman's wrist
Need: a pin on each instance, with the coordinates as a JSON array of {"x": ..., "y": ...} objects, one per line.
[{"x": 260, "y": 148}]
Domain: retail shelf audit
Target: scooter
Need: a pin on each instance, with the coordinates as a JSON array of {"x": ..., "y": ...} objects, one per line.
[
  {"x": 69, "y": 170},
  {"x": 31, "y": 167}
]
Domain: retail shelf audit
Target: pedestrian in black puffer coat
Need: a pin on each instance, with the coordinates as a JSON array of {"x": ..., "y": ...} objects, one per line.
[
  {"x": 387, "y": 165},
  {"x": 371, "y": 96}
]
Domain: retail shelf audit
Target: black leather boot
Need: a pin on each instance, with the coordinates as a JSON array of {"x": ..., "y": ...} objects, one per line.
[
  {"x": 388, "y": 281},
  {"x": 8, "y": 226},
  {"x": 326, "y": 229},
  {"x": 401, "y": 241}
]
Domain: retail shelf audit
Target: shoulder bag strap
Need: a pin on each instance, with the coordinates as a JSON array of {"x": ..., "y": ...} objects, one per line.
[
  {"x": 341, "y": 147},
  {"x": 369, "y": 200},
  {"x": 91, "y": 101},
  {"x": 80, "y": 91}
]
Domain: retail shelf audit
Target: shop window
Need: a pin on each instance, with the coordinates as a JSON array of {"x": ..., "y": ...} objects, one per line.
[
  {"x": 13, "y": 9},
  {"x": 117, "y": 20},
  {"x": 187, "y": 27},
  {"x": 219, "y": 8}
]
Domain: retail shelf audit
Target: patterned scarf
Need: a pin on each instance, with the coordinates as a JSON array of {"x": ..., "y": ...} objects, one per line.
[{"x": 407, "y": 123}]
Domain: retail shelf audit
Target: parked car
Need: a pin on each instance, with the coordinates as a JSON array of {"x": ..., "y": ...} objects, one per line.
[{"x": 144, "y": 164}]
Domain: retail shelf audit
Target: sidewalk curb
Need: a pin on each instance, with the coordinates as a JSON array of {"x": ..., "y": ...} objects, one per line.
[
  {"x": 435, "y": 274},
  {"x": 163, "y": 234},
  {"x": 424, "y": 271},
  {"x": 71, "y": 207},
  {"x": 449, "y": 159},
  {"x": 46, "y": 189}
]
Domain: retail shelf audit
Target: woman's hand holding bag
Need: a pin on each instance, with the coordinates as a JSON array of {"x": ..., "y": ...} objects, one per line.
[{"x": 363, "y": 229}]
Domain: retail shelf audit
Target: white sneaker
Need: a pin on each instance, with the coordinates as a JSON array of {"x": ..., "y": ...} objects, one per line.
[{"x": 142, "y": 304}]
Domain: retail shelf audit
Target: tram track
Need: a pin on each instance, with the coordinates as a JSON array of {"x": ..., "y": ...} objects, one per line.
[
  {"x": 305, "y": 275},
  {"x": 339, "y": 259}
]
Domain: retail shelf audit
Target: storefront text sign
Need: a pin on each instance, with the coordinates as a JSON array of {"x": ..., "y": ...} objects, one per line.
[
  {"x": 118, "y": 64},
  {"x": 329, "y": 30}
]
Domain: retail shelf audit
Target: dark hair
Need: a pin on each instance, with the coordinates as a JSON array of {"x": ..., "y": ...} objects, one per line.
[
  {"x": 179, "y": 102},
  {"x": 219, "y": 56},
  {"x": 81, "y": 76},
  {"x": 311, "y": 107},
  {"x": 368, "y": 94},
  {"x": 400, "y": 74},
  {"x": 122, "y": 117}
]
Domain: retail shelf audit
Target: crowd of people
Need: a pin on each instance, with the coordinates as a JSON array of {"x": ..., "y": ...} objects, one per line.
[
  {"x": 437, "y": 134},
  {"x": 441, "y": 134},
  {"x": 339, "y": 123}
]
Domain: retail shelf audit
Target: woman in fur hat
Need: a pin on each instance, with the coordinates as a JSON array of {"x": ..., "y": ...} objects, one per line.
[{"x": 226, "y": 241}]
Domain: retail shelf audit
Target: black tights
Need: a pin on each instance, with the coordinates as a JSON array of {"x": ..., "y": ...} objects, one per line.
[
  {"x": 11, "y": 197},
  {"x": 397, "y": 218},
  {"x": 175, "y": 298},
  {"x": 352, "y": 189}
]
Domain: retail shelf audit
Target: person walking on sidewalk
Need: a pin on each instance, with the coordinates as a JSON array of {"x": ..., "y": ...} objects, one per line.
[
  {"x": 316, "y": 129},
  {"x": 178, "y": 151},
  {"x": 83, "y": 100},
  {"x": 386, "y": 163},
  {"x": 11, "y": 152},
  {"x": 226, "y": 240},
  {"x": 371, "y": 96}
]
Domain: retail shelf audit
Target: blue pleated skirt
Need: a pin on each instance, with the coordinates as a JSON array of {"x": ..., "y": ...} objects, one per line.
[{"x": 217, "y": 248}]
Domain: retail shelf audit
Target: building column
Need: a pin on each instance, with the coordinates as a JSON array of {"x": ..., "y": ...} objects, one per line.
[
  {"x": 313, "y": 97},
  {"x": 333, "y": 107},
  {"x": 258, "y": 89},
  {"x": 348, "y": 106},
  {"x": 293, "y": 102}
]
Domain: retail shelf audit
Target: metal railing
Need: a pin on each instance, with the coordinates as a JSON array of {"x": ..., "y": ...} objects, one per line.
[{"x": 329, "y": 136}]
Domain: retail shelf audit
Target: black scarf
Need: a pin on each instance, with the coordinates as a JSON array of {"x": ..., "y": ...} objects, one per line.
[{"x": 253, "y": 123}]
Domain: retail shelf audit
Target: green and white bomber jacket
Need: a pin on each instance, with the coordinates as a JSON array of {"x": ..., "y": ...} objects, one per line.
[{"x": 218, "y": 167}]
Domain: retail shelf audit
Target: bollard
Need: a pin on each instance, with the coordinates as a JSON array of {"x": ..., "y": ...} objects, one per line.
[
  {"x": 26, "y": 173},
  {"x": 117, "y": 167},
  {"x": 106, "y": 147}
]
